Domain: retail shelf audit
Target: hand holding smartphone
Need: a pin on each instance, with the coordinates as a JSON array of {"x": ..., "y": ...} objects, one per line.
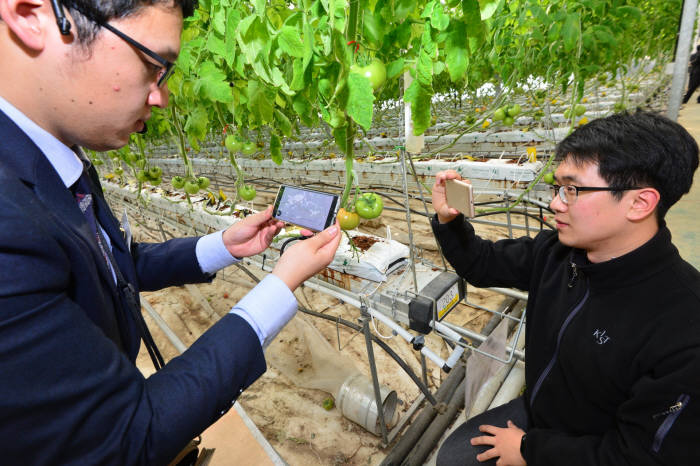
[
  {"x": 306, "y": 208},
  {"x": 460, "y": 196}
]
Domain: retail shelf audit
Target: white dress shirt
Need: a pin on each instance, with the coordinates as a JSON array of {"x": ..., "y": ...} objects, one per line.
[{"x": 267, "y": 307}]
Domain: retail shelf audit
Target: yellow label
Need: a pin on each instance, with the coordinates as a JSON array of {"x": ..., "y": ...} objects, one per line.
[{"x": 532, "y": 154}]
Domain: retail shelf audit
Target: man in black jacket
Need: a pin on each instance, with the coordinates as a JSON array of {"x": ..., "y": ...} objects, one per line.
[
  {"x": 693, "y": 75},
  {"x": 613, "y": 314}
]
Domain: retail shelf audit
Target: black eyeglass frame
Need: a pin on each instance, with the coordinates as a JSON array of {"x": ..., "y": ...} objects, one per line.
[
  {"x": 64, "y": 27},
  {"x": 558, "y": 189},
  {"x": 168, "y": 66}
]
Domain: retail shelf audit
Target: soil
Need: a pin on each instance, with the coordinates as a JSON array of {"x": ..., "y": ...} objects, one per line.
[{"x": 293, "y": 418}]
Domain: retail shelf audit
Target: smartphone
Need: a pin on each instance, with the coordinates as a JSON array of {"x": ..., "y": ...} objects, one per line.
[
  {"x": 306, "y": 208},
  {"x": 460, "y": 196}
]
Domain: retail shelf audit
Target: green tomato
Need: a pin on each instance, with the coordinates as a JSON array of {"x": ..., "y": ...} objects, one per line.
[
  {"x": 156, "y": 181},
  {"x": 119, "y": 171},
  {"x": 375, "y": 72},
  {"x": 178, "y": 182},
  {"x": 155, "y": 172},
  {"x": 233, "y": 144},
  {"x": 548, "y": 178},
  {"x": 142, "y": 176},
  {"x": 579, "y": 109},
  {"x": 203, "y": 182},
  {"x": 348, "y": 220},
  {"x": 470, "y": 120},
  {"x": 567, "y": 113},
  {"x": 249, "y": 148},
  {"x": 191, "y": 187},
  {"x": 508, "y": 121},
  {"x": 97, "y": 162},
  {"x": 499, "y": 114},
  {"x": 141, "y": 163},
  {"x": 328, "y": 404},
  {"x": 246, "y": 192},
  {"x": 369, "y": 205},
  {"x": 514, "y": 110}
]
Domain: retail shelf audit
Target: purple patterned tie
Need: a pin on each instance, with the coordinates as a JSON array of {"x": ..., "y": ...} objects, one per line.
[{"x": 83, "y": 196}]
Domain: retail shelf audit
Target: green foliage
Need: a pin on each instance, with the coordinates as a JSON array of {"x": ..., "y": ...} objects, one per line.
[{"x": 269, "y": 66}]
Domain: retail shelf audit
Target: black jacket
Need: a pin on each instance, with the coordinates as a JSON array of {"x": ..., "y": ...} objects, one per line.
[{"x": 612, "y": 349}]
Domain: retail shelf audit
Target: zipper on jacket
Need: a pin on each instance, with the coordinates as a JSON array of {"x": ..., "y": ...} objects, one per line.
[
  {"x": 672, "y": 412},
  {"x": 547, "y": 369},
  {"x": 574, "y": 274}
]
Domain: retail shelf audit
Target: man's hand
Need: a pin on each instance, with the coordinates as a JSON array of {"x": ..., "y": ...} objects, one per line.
[
  {"x": 505, "y": 442},
  {"x": 252, "y": 235},
  {"x": 444, "y": 212},
  {"x": 305, "y": 258}
]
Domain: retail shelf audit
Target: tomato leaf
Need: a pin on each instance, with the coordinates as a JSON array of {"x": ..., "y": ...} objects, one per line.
[
  {"x": 360, "y": 100},
  {"x": 571, "y": 31},
  {"x": 489, "y": 7},
  {"x": 395, "y": 68},
  {"x": 275, "y": 149},
  {"x": 419, "y": 98},
  {"x": 457, "y": 56},
  {"x": 290, "y": 42},
  {"x": 298, "y": 81},
  {"x": 196, "y": 125},
  {"x": 283, "y": 123},
  {"x": 213, "y": 83},
  {"x": 259, "y": 104},
  {"x": 439, "y": 20},
  {"x": 373, "y": 27},
  {"x": 403, "y": 8}
]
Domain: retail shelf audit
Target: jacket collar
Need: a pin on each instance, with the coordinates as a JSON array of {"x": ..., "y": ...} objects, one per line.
[
  {"x": 23, "y": 157},
  {"x": 633, "y": 267}
]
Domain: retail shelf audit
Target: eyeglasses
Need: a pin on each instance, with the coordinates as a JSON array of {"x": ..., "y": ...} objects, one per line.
[
  {"x": 569, "y": 193},
  {"x": 166, "y": 67}
]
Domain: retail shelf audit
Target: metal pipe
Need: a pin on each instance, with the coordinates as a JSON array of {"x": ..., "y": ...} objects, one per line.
[{"x": 681, "y": 62}]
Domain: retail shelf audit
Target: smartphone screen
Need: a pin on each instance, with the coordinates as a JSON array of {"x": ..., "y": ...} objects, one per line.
[{"x": 306, "y": 208}]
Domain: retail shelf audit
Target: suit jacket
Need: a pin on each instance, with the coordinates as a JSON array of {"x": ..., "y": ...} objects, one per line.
[{"x": 69, "y": 391}]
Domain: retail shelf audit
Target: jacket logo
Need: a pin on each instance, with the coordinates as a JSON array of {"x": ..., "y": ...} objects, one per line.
[{"x": 600, "y": 336}]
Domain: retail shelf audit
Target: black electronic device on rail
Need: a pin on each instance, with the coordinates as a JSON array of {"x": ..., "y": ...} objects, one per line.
[{"x": 435, "y": 300}]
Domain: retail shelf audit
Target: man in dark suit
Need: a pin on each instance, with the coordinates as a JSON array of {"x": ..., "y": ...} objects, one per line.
[{"x": 70, "y": 325}]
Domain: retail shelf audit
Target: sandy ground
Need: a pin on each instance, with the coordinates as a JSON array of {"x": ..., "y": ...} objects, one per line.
[{"x": 293, "y": 418}]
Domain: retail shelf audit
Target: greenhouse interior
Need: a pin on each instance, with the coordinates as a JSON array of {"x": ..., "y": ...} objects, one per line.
[{"x": 361, "y": 114}]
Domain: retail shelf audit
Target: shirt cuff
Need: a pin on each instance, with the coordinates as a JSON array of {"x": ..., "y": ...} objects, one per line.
[
  {"x": 267, "y": 308},
  {"x": 211, "y": 253}
]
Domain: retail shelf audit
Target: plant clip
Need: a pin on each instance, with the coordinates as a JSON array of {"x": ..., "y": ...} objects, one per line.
[{"x": 357, "y": 45}]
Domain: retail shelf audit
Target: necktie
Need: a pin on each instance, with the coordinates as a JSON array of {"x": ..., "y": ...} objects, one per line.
[
  {"x": 84, "y": 197},
  {"x": 82, "y": 192}
]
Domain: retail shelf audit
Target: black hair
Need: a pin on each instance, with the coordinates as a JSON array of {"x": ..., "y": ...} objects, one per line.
[
  {"x": 637, "y": 149},
  {"x": 88, "y": 14}
]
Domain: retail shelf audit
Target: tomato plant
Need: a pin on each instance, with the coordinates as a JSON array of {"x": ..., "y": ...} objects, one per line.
[
  {"x": 191, "y": 187},
  {"x": 178, "y": 182},
  {"x": 246, "y": 192},
  {"x": 233, "y": 144},
  {"x": 348, "y": 220},
  {"x": 369, "y": 205},
  {"x": 375, "y": 71},
  {"x": 249, "y": 148}
]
